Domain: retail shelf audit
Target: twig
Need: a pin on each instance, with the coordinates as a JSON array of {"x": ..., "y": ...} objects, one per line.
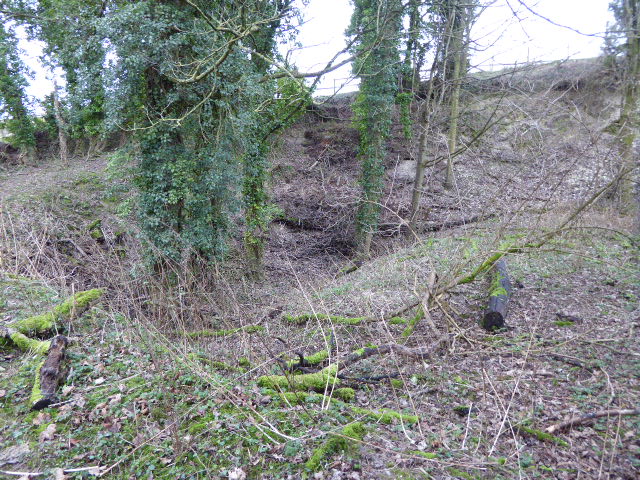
[
  {"x": 94, "y": 469},
  {"x": 417, "y": 353},
  {"x": 589, "y": 418}
]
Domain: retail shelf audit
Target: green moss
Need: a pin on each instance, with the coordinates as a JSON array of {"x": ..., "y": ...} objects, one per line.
[
  {"x": 310, "y": 381},
  {"x": 542, "y": 436},
  {"x": 429, "y": 455},
  {"x": 97, "y": 223},
  {"x": 201, "y": 424},
  {"x": 244, "y": 362},
  {"x": 360, "y": 351},
  {"x": 36, "y": 393},
  {"x": 306, "y": 317},
  {"x": 297, "y": 398},
  {"x": 224, "y": 333},
  {"x": 27, "y": 344},
  {"x": 95, "y": 229},
  {"x": 397, "y": 383},
  {"x": 346, "y": 394},
  {"x": 496, "y": 288},
  {"x": 460, "y": 474},
  {"x": 386, "y": 416},
  {"x": 398, "y": 321},
  {"x": 336, "y": 443},
  {"x": 411, "y": 324},
  {"x": 564, "y": 323},
  {"x": 78, "y": 302}
]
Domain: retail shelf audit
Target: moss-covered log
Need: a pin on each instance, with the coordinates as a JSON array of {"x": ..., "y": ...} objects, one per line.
[
  {"x": 71, "y": 308},
  {"x": 499, "y": 294},
  {"x": 27, "y": 344},
  {"x": 49, "y": 374},
  {"x": 319, "y": 382}
]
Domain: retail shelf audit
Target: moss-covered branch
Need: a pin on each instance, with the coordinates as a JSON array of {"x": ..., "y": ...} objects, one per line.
[
  {"x": 27, "y": 344},
  {"x": 313, "y": 359},
  {"x": 297, "y": 398},
  {"x": 325, "y": 378},
  {"x": 335, "y": 319}
]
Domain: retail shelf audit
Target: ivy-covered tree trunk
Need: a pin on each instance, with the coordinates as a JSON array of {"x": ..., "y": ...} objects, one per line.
[
  {"x": 13, "y": 100},
  {"x": 378, "y": 24},
  {"x": 256, "y": 200}
]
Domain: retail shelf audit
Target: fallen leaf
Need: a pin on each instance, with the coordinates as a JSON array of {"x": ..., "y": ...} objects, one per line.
[
  {"x": 42, "y": 418},
  {"x": 67, "y": 389},
  {"x": 99, "y": 381},
  {"x": 58, "y": 474},
  {"x": 2, "y": 393},
  {"x": 237, "y": 474},
  {"x": 48, "y": 433}
]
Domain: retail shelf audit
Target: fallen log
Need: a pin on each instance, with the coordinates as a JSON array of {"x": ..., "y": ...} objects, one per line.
[
  {"x": 72, "y": 307},
  {"x": 499, "y": 294},
  {"x": 49, "y": 375},
  {"x": 391, "y": 229}
]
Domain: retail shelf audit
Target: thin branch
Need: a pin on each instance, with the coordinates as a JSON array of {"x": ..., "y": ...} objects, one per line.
[{"x": 590, "y": 417}]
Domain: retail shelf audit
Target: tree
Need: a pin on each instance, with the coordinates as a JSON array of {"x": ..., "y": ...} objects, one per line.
[
  {"x": 449, "y": 34},
  {"x": 13, "y": 100},
  {"x": 190, "y": 82},
  {"x": 70, "y": 33},
  {"x": 459, "y": 21},
  {"x": 627, "y": 13},
  {"x": 376, "y": 24}
]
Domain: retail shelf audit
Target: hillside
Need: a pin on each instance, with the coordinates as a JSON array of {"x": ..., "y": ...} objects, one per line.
[{"x": 168, "y": 374}]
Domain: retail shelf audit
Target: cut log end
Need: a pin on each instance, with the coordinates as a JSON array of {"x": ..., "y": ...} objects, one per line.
[{"x": 492, "y": 321}]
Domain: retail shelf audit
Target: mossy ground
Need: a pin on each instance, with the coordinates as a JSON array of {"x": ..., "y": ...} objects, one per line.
[{"x": 136, "y": 405}]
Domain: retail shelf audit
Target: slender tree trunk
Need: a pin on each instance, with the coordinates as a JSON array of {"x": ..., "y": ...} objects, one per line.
[
  {"x": 629, "y": 116},
  {"x": 459, "y": 56},
  {"x": 423, "y": 157},
  {"x": 62, "y": 135}
]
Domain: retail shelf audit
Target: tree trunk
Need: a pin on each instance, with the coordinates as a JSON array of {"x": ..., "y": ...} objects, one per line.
[
  {"x": 629, "y": 116},
  {"x": 458, "y": 70},
  {"x": 62, "y": 135}
]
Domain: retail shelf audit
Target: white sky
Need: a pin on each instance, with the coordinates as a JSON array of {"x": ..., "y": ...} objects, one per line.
[{"x": 502, "y": 37}]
